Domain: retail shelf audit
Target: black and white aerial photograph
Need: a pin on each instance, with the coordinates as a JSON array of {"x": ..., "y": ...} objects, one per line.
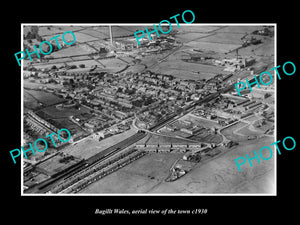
[
  {"x": 149, "y": 112},
  {"x": 156, "y": 113}
]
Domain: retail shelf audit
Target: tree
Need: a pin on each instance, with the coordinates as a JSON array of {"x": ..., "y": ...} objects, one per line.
[
  {"x": 39, "y": 38},
  {"x": 34, "y": 29},
  {"x": 53, "y": 67},
  {"x": 29, "y": 35},
  {"x": 73, "y": 67}
]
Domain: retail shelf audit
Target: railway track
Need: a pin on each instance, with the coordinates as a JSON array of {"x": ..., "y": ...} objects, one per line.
[{"x": 95, "y": 175}]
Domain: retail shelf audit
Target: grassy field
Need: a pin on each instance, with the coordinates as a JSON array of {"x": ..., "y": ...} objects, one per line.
[
  {"x": 186, "y": 70},
  {"x": 216, "y": 47},
  {"x": 81, "y": 49},
  {"x": 113, "y": 65},
  {"x": 55, "y": 30},
  {"x": 55, "y": 113},
  {"x": 43, "y": 97},
  {"x": 44, "y": 31},
  {"x": 196, "y": 28},
  {"x": 141, "y": 176},
  {"x": 224, "y": 38},
  {"x": 90, "y": 31},
  {"x": 30, "y": 102},
  {"x": 80, "y": 37},
  {"x": 87, "y": 63},
  {"x": 238, "y": 29},
  {"x": 84, "y": 57},
  {"x": 186, "y": 37}
]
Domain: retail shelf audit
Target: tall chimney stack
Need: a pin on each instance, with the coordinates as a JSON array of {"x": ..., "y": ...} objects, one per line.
[{"x": 110, "y": 34}]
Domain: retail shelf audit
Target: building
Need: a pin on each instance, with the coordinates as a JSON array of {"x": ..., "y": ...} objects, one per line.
[{"x": 259, "y": 94}]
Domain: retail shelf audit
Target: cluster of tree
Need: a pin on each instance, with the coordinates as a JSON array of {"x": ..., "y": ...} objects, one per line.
[
  {"x": 128, "y": 91},
  {"x": 143, "y": 101},
  {"x": 66, "y": 159},
  {"x": 33, "y": 34}
]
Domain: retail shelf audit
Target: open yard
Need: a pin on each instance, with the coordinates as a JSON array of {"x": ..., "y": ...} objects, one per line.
[
  {"x": 89, "y": 146},
  {"x": 208, "y": 138},
  {"x": 201, "y": 121}
]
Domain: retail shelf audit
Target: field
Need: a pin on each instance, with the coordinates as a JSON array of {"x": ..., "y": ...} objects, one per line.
[
  {"x": 224, "y": 38},
  {"x": 185, "y": 70},
  {"x": 30, "y": 102},
  {"x": 87, "y": 63},
  {"x": 212, "y": 46},
  {"x": 238, "y": 29},
  {"x": 187, "y": 37},
  {"x": 94, "y": 33},
  {"x": 80, "y": 37},
  {"x": 55, "y": 30},
  {"x": 141, "y": 176},
  {"x": 196, "y": 28},
  {"x": 76, "y": 50},
  {"x": 84, "y": 57},
  {"x": 41, "y": 96},
  {"x": 135, "y": 68},
  {"x": 72, "y": 127},
  {"x": 210, "y": 38},
  {"x": 55, "y": 113},
  {"x": 60, "y": 117},
  {"x": 113, "y": 62}
]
